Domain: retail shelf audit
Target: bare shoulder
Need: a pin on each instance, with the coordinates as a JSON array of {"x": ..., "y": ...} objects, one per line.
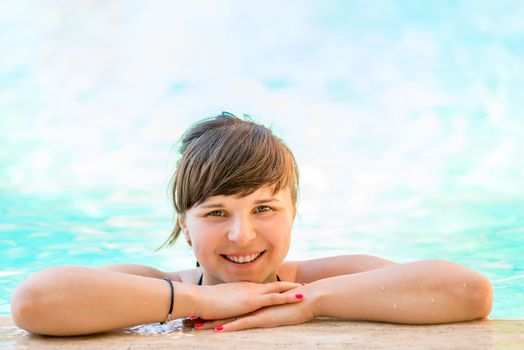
[
  {"x": 311, "y": 270},
  {"x": 187, "y": 276},
  {"x": 288, "y": 271}
]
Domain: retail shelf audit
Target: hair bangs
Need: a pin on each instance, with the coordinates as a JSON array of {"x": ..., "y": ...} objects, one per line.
[{"x": 253, "y": 160}]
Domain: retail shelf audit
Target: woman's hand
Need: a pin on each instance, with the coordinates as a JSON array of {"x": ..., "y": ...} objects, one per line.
[
  {"x": 270, "y": 316},
  {"x": 228, "y": 300}
]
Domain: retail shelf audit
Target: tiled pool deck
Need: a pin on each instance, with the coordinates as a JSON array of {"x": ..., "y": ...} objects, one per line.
[{"x": 319, "y": 334}]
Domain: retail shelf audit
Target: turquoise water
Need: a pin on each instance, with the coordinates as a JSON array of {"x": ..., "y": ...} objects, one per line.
[{"x": 405, "y": 120}]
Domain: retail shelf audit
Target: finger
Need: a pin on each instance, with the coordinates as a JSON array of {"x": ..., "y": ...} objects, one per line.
[
  {"x": 279, "y": 298},
  {"x": 278, "y": 287},
  {"x": 242, "y": 323},
  {"x": 212, "y": 324}
]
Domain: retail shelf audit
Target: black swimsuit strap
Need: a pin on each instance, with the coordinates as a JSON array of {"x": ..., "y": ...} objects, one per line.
[{"x": 202, "y": 278}]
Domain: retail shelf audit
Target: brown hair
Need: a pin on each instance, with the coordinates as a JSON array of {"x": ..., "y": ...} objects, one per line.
[{"x": 226, "y": 155}]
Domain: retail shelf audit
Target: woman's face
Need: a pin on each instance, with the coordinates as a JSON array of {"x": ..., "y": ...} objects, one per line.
[{"x": 241, "y": 238}]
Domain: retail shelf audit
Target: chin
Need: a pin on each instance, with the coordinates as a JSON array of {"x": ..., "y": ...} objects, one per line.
[{"x": 240, "y": 278}]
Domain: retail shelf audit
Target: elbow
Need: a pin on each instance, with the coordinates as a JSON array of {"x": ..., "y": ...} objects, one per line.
[
  {"x": 31, "y": 302},
  {"x": 473, "y": 291},
  {"x": 22, "y": 304},
  {"x": 469, "y": 291},
  {"x": 480, "y": 298},
  {"x": 40, "y": 304}
]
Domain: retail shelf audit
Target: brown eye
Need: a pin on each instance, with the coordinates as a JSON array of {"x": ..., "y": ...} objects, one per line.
[
  {"x": 262, "y": 209},
  {"x": 218, "y": 213}
]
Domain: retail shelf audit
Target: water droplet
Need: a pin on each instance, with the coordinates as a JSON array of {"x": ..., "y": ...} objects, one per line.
[
  {"x": 382, "y": 288},
  {"x": 395, "y": 306},
  {"x": 415, "y": 300},
  {"x": 432, "y": 301},
  {"x": 463, "y": 285}
]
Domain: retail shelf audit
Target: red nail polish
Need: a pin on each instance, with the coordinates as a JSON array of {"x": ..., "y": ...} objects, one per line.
[
  {"x": 219, "y": 328},
  {"x": 197, "y": 325},
  {"x": 192, "y": 317},
  {"x": 299, "y": 296}
]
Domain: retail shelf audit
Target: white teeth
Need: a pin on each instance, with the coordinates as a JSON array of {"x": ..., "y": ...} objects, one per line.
[{"x": 243, "y": 259}]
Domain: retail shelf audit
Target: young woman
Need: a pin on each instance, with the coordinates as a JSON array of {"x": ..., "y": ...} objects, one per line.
[{"x": 235, "y": 194}]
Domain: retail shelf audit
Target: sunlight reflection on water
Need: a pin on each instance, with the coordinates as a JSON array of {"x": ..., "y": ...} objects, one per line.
[{"x": 174, "y": 328}]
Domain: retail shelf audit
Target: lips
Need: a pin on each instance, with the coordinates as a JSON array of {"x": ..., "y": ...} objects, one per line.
[{"x": 243, "y": 258}]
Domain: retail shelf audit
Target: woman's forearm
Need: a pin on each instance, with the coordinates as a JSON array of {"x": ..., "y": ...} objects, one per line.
[
  {"x": 72, "y": 300},
  {"x": 423, "y": 292}
]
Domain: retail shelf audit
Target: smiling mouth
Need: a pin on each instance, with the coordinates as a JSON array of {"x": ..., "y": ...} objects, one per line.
[{"x": 244, "y": 259}]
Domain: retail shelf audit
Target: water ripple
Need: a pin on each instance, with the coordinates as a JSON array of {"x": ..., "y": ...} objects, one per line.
[{"x": 174, "y": 326}]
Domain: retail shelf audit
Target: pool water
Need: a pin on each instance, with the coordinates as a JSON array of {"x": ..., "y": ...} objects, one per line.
[
  {"x": 43, "y": 232},
  {"x": 405, "y": 120}
]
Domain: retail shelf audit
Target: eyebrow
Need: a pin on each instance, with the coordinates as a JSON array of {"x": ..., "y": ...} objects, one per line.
[{"x": 220, "y": 205}]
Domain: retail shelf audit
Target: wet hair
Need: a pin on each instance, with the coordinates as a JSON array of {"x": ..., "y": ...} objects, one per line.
[{"x": 226, "y": 155}]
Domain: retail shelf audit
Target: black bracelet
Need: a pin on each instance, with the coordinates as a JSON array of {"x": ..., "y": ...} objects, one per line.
[{"x": 168, "y": 317}]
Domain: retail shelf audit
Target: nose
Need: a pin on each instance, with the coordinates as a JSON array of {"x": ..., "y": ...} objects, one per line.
[{"x": 242, "y": 231}]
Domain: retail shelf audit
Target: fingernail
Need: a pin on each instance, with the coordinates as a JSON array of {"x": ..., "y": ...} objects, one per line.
[
  {"x": 219, "y": 328},
  {"x": 197, "y": 325},
  {"x": 299, "y": 296}
]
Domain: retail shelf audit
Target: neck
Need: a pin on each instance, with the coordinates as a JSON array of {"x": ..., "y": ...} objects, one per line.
[
  {"x": 210, "y": 280},
  {"x": 271, "y": 278}
]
